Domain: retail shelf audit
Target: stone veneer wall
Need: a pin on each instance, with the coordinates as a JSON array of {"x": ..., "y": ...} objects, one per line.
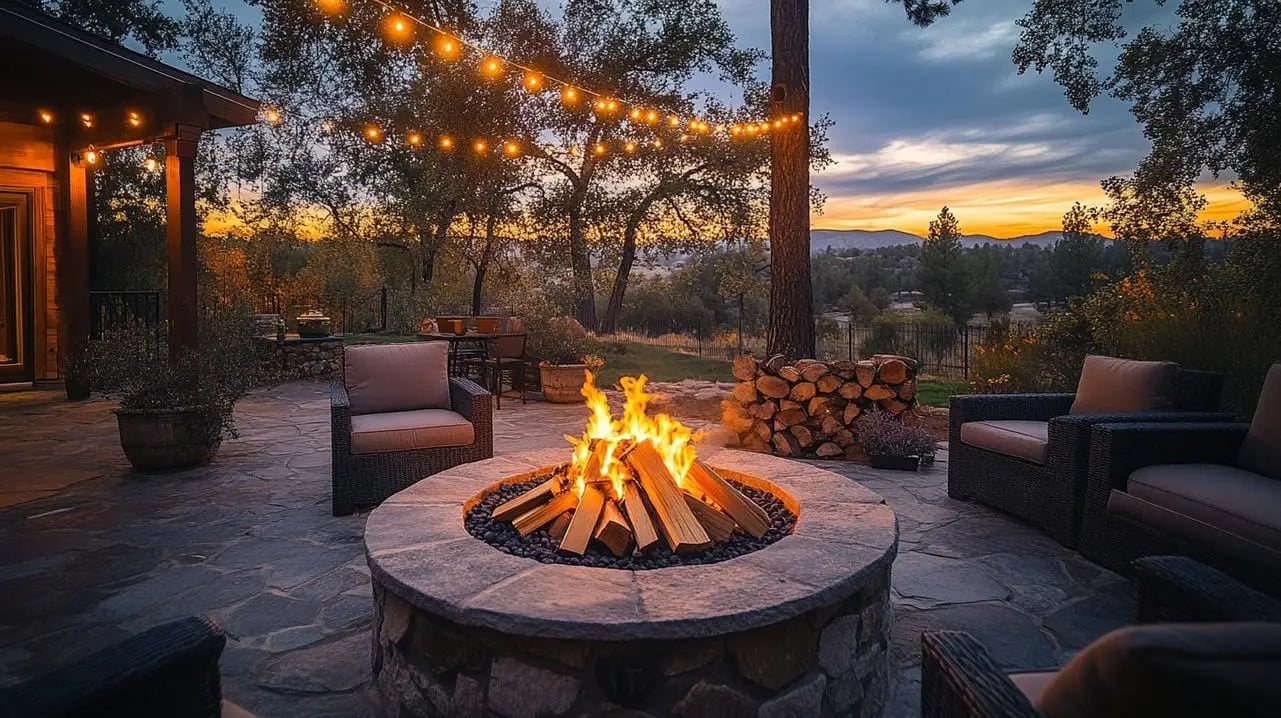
[
  {"x": 829, "y": 662},
  {"x": 309, "y": 358}
]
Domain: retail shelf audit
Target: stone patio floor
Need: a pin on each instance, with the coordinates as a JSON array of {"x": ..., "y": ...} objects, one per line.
[{"x": 90, "y": 553}]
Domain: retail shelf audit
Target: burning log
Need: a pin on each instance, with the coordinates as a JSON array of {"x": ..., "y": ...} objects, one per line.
[
  {"x": 612, "y": 530},
  {"x": 676, "y": 522},
  {"x": 525, "y": 502},
  {"x": 638, "y": 516},
  {"x": 560, "y": 526},
  {"x": 718, "y": 525},
  {"x": 745, "y": 512},
  {"x": 583, "y": 525},
  {"x": 536, "y": 519}
]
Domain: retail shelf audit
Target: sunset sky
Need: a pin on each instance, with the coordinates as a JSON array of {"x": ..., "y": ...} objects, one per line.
[{"x": 939, "y": 116}]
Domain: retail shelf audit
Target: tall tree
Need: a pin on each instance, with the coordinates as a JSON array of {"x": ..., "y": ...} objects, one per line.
[
  {"x": 987, "y": 291},
  {"x": 944, "y": 273},
  {"x": 1078, "y": 256}
]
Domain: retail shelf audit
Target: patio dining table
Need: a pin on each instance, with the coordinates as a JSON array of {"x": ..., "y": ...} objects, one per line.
[{"x": 460, "y": 345}]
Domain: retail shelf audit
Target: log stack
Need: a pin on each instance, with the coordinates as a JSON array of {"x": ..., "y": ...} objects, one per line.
[{"x": 807, "y": 408}]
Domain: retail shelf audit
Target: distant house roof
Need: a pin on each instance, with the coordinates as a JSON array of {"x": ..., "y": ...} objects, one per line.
[{"x": 50, "y": 64}]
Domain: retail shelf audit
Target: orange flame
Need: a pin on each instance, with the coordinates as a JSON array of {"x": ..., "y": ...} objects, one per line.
[{"x": 672, "y": 439}]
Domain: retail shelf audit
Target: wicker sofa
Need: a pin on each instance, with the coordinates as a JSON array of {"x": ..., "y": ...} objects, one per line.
[
  {"x": 1027, "y": 454},
  {"x": 959, "y": 679},
  {"x": 1212, "y": 491},
  {"x": 398, "y": 417},
  {"x": 169, "y": 670}
]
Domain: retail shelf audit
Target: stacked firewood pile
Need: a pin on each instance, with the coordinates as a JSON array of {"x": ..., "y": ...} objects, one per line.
[{"x": 808, "y": 407}]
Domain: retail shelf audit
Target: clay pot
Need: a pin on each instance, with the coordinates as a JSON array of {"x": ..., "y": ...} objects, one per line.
[
  {"x": 451, "y": 326},
  {"x": 562, "y": 383},
  {"x": 157, "y": 441},
  {"x": 487, "y": 325}
]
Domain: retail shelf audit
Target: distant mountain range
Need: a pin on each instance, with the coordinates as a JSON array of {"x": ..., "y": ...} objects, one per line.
[{"x": 839, "y": 240}]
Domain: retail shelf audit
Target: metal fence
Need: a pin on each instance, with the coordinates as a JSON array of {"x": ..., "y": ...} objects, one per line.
[
  {"x": 347, "y": 314},
  {"x": 943, "y": 351},
  {"x": 114, "y": 311}
]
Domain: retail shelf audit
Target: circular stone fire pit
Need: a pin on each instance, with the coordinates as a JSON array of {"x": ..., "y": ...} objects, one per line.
[{"x": 799, "y": 627}]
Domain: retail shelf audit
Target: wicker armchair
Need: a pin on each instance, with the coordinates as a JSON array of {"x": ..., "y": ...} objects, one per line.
[
  {"x": 1049, "y": 490},
  {"x": 169, "y": 670},
  {"x": 959, "y": 679},
  {"x": 368, "y": 472}
]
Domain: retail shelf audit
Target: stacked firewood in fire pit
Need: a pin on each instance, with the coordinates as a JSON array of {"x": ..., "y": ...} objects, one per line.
[
  {"x": 808, "y": 407},
  {"x": 634, "y": 503}
]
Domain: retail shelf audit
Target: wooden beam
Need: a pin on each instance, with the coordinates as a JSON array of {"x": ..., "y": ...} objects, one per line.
[
  {"x": 611, "y": 529},
  {"x": 75, "y": 187},
  {"x": 638, "y": 516},
  {"x": 583, "y": 525},
  {"x": 180, "y": 200},
  {"x": 536, "y": 519},
  {"x": 675, "y": 520},
  {"x": 746, "y": 513},
  {"x": 541, "y": 493},
  {"x": 718, "y": 525}
]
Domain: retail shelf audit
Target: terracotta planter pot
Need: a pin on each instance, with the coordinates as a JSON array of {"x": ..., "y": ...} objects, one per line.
[
  {"x": 895, "y": 463},
  {"x": 158, "y": 441},
  {"x": 450, "y": 326},
  {"x": 487, "y": 325},
  {"x": 562, "y": 383}
]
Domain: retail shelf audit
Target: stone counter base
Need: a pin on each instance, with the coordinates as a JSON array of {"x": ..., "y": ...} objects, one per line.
[
  {"x": 831, "y": 661},
  {"x": 299, "y": 358}
]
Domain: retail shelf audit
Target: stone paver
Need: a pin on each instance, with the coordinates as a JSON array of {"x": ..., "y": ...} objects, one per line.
[{"x": 90, "y": 553}]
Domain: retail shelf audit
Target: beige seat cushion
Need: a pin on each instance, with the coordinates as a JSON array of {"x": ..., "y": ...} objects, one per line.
[
  {"x": 406, "y": 430},
  {"x": 1109, "y": 384},
  {"x": 1172, "y": 670},
  {"x": 1261, "y": 450},
  {"x": 1237, "y": 501},
  {"x": 397, "y": 377},
  {"x": 1021, "y": 439}
]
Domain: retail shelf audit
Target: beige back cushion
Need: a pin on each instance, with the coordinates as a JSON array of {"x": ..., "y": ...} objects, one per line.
[
  {"x": 1109, "y": 384},
  {"x": 397, "y": 377},
  {"x": 1261, "y": 450},
  {"x": 1171, "y": 670}
]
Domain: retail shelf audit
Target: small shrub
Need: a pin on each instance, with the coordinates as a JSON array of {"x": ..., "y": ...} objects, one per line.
[{"x": 882, "y": 434}]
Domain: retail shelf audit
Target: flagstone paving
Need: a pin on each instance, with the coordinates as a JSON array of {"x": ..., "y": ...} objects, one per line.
[{"x": 90, "y": 553}]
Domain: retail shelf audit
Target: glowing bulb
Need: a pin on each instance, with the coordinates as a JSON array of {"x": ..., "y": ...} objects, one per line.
[
  {"x": 600, "y": 105},
  {"x": 446, "y": 143},
  {"x": 673, "y": 121},
  {"x": 271, "y": 115},
  {"x": 447, "y": 48},
  {"x": 629, "y": 147},
  {"x": 373, "y": 133},
  {"x": 331, "y": 6},
  {"x": 134, "y": 119},
  {"x": 481, "y": 147},
  {"x": 46, "y": 117},
  {"x": 651, "y": 117},
  {"x": 151, "y": 163},
  {"x": 751, "y": 129},
  {"x": 398, "y": 27},
  {"x": 658, "y": 144},
  {"x": 635, "y": 113},
  {"x": 569, "y": 95},
  {"x": 86, "y": 119},
  {"x": 611, "y": 105},
  {"x": 796, "y": 117},
  {"x": 778, "y": 123},
  {"x": 599, "y": 149},
  {"x": 414, "y": 139},
  {"x": 91, "y": 157},
  {"x": 763, "y": 127},
  {"x": 511, "y": 148},
  {"x": 736, "y": 130},
  {"x": 533, "y": 82},
  {"x": 492, "y": 66}
]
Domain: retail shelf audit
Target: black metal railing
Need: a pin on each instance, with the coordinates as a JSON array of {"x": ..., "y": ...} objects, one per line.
[{"x": 113, "y": 311}]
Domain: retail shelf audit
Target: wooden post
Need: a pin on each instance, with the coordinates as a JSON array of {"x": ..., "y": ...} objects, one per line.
[
  {"x": 180, "y": 207},
  {"x": 75, "y": 186},
  {"x": 791, "y": 321}
]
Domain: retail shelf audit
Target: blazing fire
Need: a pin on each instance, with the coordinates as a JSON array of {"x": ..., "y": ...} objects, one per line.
[{"x": 632, "y": 481}]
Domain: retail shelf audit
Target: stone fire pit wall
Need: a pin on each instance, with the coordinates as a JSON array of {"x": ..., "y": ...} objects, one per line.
[
  {"x": 798, "y": 628},
  {"x": 308, "y": 357},
  {"x": 808, "y": 408}
]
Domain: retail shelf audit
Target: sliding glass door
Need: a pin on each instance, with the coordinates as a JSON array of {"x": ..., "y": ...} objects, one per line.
[{"x": 15, "y": 289}]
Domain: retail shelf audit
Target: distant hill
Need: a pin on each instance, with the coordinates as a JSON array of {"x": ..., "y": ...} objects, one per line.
[{"x": 838, "y": 240}]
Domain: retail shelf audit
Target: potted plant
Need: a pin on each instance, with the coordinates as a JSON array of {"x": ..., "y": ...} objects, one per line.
[
  {"x": 174, "y": 415},
  {"x": 564, "y": 352},
  {"x": 890, "y": 444}
]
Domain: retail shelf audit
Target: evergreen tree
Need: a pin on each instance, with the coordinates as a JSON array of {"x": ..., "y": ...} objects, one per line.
[
  {"x": 1078, "y": 256},
  {"x": 944, "y": 275},
  {"x": 987, "y": 292}
]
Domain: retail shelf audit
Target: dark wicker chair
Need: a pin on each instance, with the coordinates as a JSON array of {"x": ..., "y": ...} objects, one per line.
[
  {"x": 1051, "y": 495},
  {"x": 959, "y": 679},
  {"x": 169, "y": 670},
  {"x": 1116, "y": 452}
]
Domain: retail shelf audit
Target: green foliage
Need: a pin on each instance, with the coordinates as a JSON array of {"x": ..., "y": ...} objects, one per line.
[
  {"x": 944, "y": 275},
  {"x": 860, "y": 306},
  {"x": 130, "y": 366},
  {"x": 136, "y": 21},
  {"x": 924, "y": 336},
  {"x": 559, "y": 340}
]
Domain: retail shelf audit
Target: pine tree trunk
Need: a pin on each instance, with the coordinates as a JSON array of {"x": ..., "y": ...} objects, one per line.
[
  {"x": 791, "y": 322},
  {"x": 482, "y": 266},
  {"x": 609, "y": 323}
]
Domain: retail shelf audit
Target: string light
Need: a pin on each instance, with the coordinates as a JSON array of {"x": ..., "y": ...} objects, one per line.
[
  {"x": 414, "y": 139},
  {"x": 91, "y": 157},
  {"x": 480, "y": 147},
  {"x": 651, "y": 117},
  {"x": 399, "y": 27},
  {"x": 658, "y": 144},
  {"x": 568, "y": 95},
  {"x": 271, "y": 115},
  {"x": 86, "y": 119},
  {"x": 533, "y": 81},
  {"x": 492, "y": 66},
  {"x": 134, "y": 119},
  {"x": 599, "y": 149},
  {"x": 373, "y": 133},
  {"x": 635, "y": 114},
  {"x": 630, "y": 147},
  {"x": 447, "y": 48},
  {"x": 446, "y": 143},
  {"x": 673, "y": 121},
  {"x": 46, "y": 117},
  {"x": 511, "y": 148},
  {"x": 151, "y": 164},
  {"x": 331, "y": 6}
]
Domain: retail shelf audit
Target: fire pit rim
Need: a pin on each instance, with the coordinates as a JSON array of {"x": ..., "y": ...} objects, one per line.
[{"x": 418, "y": 548}]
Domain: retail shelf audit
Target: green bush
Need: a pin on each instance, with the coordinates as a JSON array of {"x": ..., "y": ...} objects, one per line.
[{"x": 925, "y": 336}]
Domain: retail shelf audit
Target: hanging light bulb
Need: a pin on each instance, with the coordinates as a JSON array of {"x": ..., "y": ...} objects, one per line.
[
  {"x": 630, "y": 147},
  {"x": 134, "y": 119},
  {"x": 599, "y": 105},
  {"x": 492, "y": 66},
  {"x": 86, "y": 119},
  {"x": 511, "y": 149},
  {"x": 446, "y": 143},
  {"x": 599, "y": 149},
  {"x": 373, "y": 133},
  {"x": 91, "y": 156},
  {"x": 796, "y": 117},
  {"x": 399, "y": 28},
  {"x": 447, "y": 47},
  {"x": 569, "y": 95},
  {"x": 333, "y": 7},
  {"x": 658, "y": 144},
  {"x": 533, "y": 81},
  {"x": 414, "y": 139},
  {"x": 271, "y": 116},
  {"x": 480, "y": 147},
  {"x": 651, "y": 117},
  {"x": 673, "y": 121},
  {"x": 45, "y": 116},
  {"x": 611, "y": 105},
  {"x": 778, "y": 124},
  {"x": 735, "y": 130},
  {"x": 151, "y": 164},
  {"x": 635, "y": 114}
]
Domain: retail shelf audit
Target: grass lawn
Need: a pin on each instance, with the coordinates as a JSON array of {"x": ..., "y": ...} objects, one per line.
[{"x": 935, "y": 392}]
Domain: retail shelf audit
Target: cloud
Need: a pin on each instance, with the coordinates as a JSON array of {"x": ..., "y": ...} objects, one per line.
[{"x": 968, "y": 43}]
